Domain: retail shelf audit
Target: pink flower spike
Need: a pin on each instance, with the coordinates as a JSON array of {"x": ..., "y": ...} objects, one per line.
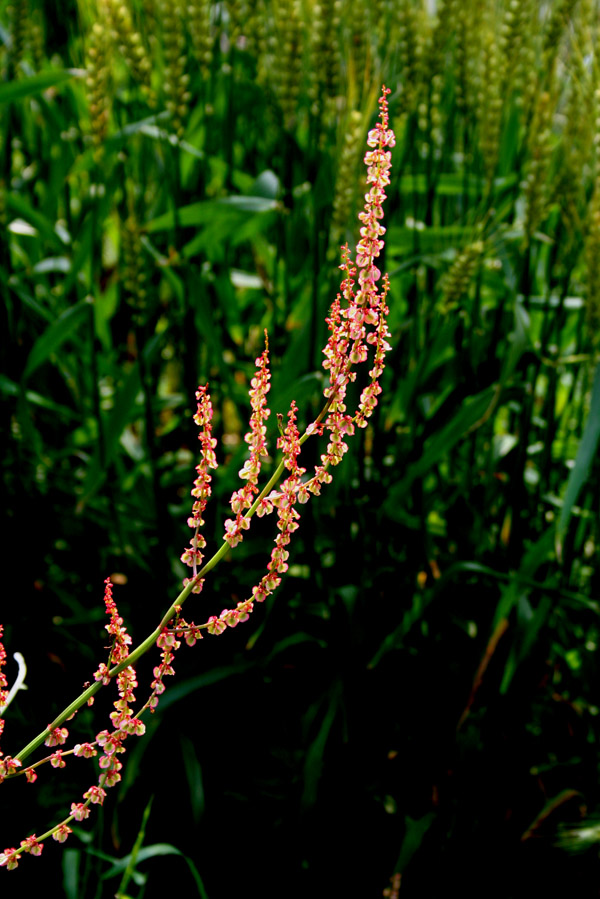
[
  {"x": 362, "y": 323},
  {"x": 242, "y": 499},
  {"x": 201, "y": 490},
  {"x": 4, "y": 691}
]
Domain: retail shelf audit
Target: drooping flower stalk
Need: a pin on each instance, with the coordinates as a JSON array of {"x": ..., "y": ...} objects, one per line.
[{"x": 357, "y": 322}]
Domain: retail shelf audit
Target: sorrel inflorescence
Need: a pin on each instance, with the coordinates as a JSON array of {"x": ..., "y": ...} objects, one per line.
[{"x": 358, "y": 335}]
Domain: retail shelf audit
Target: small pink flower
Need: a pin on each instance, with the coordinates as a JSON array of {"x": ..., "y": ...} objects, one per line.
[
  {"x": 113, "y": 777},
  {"x": 215, "y": 625},
  {"x": 61, "y": 833},
  {"x": 79, "y": 811},
  {"x": 57, "y": 737},
  {"x": 31, "y": 845},
  {"x": 86, "y": 750},
  {"x": 8, "y": 766},
  {"x": 194, "y": 633},
  {"x": 102, "y": 674},
  {"x": 166, "y": 640},
  {"x": 96, "y": 794},
  {"x": 230, "y": 617},
  {"x": 56, "y": 759},
  {"x": 10, "y": 859},
  {"x": 233, "y": 532},
  {"x": 265, "y": 507},
  {"x": 135, "y": 726}
]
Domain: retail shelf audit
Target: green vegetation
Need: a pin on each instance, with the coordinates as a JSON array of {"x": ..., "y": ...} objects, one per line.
[{"x": 420, "y": 696}]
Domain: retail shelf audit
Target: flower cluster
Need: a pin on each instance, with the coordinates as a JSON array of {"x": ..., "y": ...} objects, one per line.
[
  {"x": 366, "y": 309},
  {"x": 3, "y": 681},
  {"x": 168, "y": 644},
  {"x": 357, "y": 321},
  {"x": 10, "y": 857},
  {"x": 242, "y": 499},
  {"x": 8, "y": 765},
  {"x": 124, "y": 722},
  {"x": 285, "y": 503},
  {"x": 357, "y": 325},
  {"x": 201, "y": 490},
  {"x": 121, "y": 639}
]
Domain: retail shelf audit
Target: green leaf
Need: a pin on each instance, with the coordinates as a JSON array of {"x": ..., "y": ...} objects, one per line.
[
  {"x": 53, "y": 337},
  {"x": 472, "y": 410},
  {"x": 25, "y": 87},
  {"x": 205, "y": 213},
  {"x": 71, "y": 861},
  {"x": 313, "y": 764},
  {"x": 583, "y": 462},
  {"x": 9, "y": 388},
  {"x": 267, "y": 185},
  {"x": 395, "y": 639},
  {"x": 114, "y": 424},
  {"x": 416, "y": 829},
  {"x": 535, "y": 556},
  {"x": 401, "y": 240},
  {"x": 193, "y": 773},
  {"x": 19, "y": 206},
  {"x": 452, "y": 184},
  {"x": 136, "y": 851},
  {"x": 154, "y": 851},
  {"x": 214, "y": 676},
  {"x": 519, "y": 340},
  {"x": 530, "y": 622}
]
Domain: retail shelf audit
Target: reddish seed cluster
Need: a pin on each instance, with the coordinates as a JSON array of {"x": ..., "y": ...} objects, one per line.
[
  {"x": 3, "y": 681},
  {"x": 124, "y": 721},
  {"x": 357, "y": 322},
  {"x": 242, "y": 499},
  {"x": 57, "y": 737},
  {"x": 8, "y": 765},
  {"x": 10, "y": 857},
  {"x": 168, "y": 644},
  {"x": 121, "y": 639},
  {"x": 366, "y": 309},
  {"x": 285, "y": 502},
  {"x": 201, "y": 490}
]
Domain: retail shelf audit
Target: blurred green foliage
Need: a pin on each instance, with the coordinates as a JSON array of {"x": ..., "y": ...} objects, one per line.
[{"x": 421, "y": 697}]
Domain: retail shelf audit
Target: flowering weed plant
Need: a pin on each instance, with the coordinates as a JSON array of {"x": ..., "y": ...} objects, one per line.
[{"x": 358, "y": 336}]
